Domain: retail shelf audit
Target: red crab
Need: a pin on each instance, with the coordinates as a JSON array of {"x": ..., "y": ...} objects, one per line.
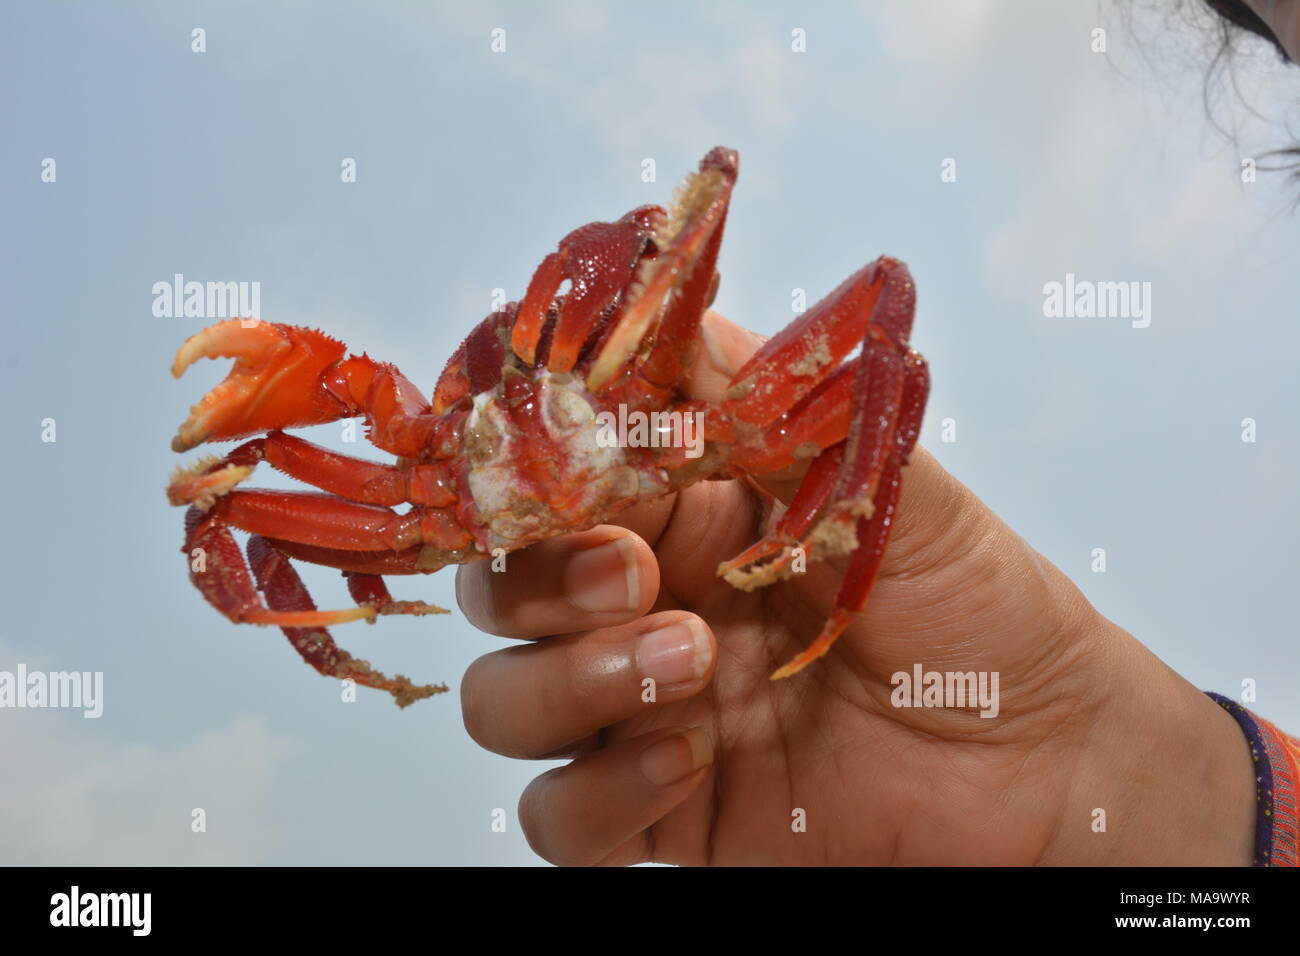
[{"x": 511, "y": 452}]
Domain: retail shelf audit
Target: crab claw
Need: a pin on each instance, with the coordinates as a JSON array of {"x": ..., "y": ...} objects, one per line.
[
  {"x": 275, "y": 382},
  {"x": 687, "y": 238}
]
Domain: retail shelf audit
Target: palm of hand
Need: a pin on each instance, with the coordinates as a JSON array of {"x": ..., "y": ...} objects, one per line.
[{"x": 821, "y": 768}]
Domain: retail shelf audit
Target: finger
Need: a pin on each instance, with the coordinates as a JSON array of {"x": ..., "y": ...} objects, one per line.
[
  {"x": 580, "y": 683},
  {"x": 577, "y": 582},
  {"x": 582, "y": 813}
]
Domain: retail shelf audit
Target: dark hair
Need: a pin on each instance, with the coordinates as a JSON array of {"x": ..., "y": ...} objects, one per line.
[
  {"x": 1239, "y": 15},
  {"x": 1236, "y": 15}
]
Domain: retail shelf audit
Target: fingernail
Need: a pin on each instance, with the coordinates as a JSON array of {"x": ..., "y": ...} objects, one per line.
[
  {"x": 604, "y": 579},
  {"x": 668, "y": 761},
  {"x": 675, "y": 654}
]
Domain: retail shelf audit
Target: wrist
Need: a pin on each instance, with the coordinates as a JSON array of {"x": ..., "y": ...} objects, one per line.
[{"x": 1163, "y": 768}]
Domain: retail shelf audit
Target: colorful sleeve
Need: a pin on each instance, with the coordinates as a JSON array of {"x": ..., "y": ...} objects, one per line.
[{"x": 1277, "y": 772}]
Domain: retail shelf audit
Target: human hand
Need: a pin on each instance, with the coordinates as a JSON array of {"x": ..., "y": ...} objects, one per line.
[{"x": 722, "y": 765}]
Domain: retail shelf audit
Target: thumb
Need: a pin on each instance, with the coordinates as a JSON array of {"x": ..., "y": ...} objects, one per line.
[{"x": 726, "y": 348}]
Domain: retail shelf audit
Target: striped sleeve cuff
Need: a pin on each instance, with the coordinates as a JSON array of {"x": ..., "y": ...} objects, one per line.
[{"x": 1277, "y": 772}]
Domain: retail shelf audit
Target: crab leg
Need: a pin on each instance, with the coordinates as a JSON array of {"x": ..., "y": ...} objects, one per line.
[
  {"x": 417, "y": 560},
  {"x": 824, "y": 418},
  {"x": 285, "y": 592},
  {"x": 775, "y": 551},
  {"x": 784, "y": 387},
  {"x": 370, "y": 589},
  {"x": 872, "y": 531},
  {"x": 222, "y": 577},
  {"x": 874, "y": 305},
  {"x": 353, "y": 478},
  {"x": 879, "y": 418},
  {"x": 226, "y": 581},
  {"x": 330, "y": 522},
  {"x": 431, "y": 537}
]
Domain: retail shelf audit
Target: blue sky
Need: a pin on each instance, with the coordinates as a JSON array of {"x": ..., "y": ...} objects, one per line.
[{"x": 225, "y": 165}]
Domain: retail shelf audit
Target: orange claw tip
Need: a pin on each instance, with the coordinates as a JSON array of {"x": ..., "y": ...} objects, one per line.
[
  {"x": 788, "y": 670},
  {"x": 194, "y": 431},
  {"x": 833, "y": 628},
  {"x": 798, "y": 663},
  {"x": 180, "y": 443},
  {"x": 259, "y": 615},
  {"x": 247, "y": 339}
]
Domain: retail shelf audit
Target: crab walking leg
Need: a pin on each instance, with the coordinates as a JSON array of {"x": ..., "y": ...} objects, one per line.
[
  {"x": 320, "y": 519},
  {"x": 370, "y": 589},
  {"x": 796, "y": 391},
  {"x": 875, "y": 304},
  {"x": 822, "y": 419},
  {"x": 864, "y": 563},
  {"x": 770, "y": 557},
  {"x": 877, "y": 404},
  {"x": 416, "y": 560},
  {"x": 873, "y": 532},
  {"x": 862, "y": 400},
  {"x": 285, "y": 376},
  {"x": 354, "y": 478},
  {"x": 220, "y": 573},
  {"x": 285, "y": 591}
]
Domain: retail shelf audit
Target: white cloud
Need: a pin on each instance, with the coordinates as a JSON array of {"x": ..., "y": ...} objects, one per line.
[
  {"x": 691, "y": 90},
  {"x": 1112, "y": 158},
  {"x": 942, "y": 37},
  {"x": 71, "y": 798}
]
